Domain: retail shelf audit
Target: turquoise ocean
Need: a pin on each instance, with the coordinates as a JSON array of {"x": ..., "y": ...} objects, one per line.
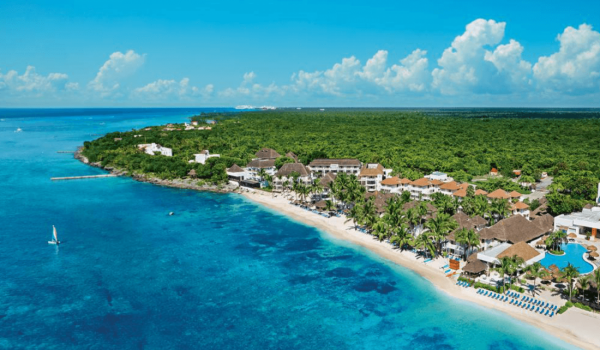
[{"x": 222, "y": 273}]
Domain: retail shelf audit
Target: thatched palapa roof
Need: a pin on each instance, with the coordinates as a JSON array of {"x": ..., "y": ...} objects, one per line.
[
  {"x": 288, "y": 168},
  {"x": 267, "y": 153},
  {"x": 474, "y": 267},
  {"x": 522, "y": 250}
]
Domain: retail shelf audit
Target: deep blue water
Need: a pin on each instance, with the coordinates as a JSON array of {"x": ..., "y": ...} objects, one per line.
[
  {"x": 223, "y": 273},
  {"x": 573, "y": 254}
]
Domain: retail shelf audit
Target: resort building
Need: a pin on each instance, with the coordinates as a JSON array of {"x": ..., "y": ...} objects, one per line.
[
  {"x": 523, "y": 250},
  {"x": 520, "y": 208},
  {"x": 494, "y": 172},
  {"x": 151, "y": 148},
  {"x": 236, "y": 174},
  {"x": 391, "y": 185},
  {"x": 267, "y": 153},
  {"x": 476, "y": 223},
  {"x": 203, "y": 156},
  {"x": 437, "y": 175},
  {"x": 323, "y": 166},
  {"x": 588, "y": 220},
  {"x": 449, "y": 188},
  {"x": 325, "y": 181},
  {"x": 423, "y": 188},
  {"x": 517, "y": 229},
  {"x": 371, "y": 176},
  {"x": 254, "y": 167},
  {"x": 292, "y": 155},
  {"x": 285, "y": 174}
]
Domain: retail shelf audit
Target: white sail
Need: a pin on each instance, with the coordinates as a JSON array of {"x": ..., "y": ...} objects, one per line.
[{"x": 54, "y": 233}]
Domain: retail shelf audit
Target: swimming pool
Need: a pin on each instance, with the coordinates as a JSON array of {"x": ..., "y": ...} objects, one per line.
[{"x": 573, "y": 254}]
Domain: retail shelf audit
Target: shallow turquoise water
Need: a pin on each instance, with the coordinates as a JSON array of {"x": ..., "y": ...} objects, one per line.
[
  {"x": 573, "y": 254},
  {"x": 223, "y": 273}
]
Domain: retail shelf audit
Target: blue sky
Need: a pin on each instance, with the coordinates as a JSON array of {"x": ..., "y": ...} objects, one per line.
[{"x": 309, "y": 53}]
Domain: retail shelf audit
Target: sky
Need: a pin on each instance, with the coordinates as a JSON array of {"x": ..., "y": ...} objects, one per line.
[{"x": 304, "y": 53}]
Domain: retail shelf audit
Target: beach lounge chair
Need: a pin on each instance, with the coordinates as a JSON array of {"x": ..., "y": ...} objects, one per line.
[
  {"x": 537, "y": 310},
  {"x": 547, "y": 311},
  {"x": 520, "y": 303},
  {"x": 511, "y": 301},
  {"x": 552, "y": 314},
  {"x": 443, "y": 267}
]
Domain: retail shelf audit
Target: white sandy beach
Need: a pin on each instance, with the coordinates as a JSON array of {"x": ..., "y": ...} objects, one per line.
[{"x": 578, "y": 327}]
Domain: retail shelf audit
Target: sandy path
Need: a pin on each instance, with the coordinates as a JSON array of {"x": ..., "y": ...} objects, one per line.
[{"x": 576, "y": 326}]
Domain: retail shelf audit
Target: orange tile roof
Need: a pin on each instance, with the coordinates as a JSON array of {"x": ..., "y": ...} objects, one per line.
[
  {"x": 460, "y": 193},
  {"x": 494, "y": 170},
  {"x": 405, "y": 181},
  {"x": 480, "y": 192},
  {"x": 515, "y": 194},
  {"x": 520, "y": 205},
  {"x": 422, "y": 182},
  {"x": 463, "y": 186},
  {"x": 499, "y": 193},
  {"x": 451, "y": 186},
  {"x": 391, "y": 181},
  {"x": 436, "y": 182}
]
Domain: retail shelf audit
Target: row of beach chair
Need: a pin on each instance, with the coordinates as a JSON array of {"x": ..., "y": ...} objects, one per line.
[{"x": 527, "y": 303}]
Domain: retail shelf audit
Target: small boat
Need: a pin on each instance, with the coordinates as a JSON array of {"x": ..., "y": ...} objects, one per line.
[
  {"x": 171, "y": 213},
  {"x": 19, "y": 130},
  {"x": 54, "y": 237}
]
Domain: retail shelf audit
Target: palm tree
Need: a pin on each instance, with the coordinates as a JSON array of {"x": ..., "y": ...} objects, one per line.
[
  {"x": 440, "y": 227},
  {"x": 329, "y": 206},
  {"x": 536, "y": 270},
  {"x": 413, "y": 218},
  {"x": 570, "y": 273},
  {"x": 585, "y": 283},
  {"x": 470, "y": 238},
  {"x": 596, "y": 279},
  {"x": 354, "y": 214},
  {"x": 505, "y": 268},
  {"x": 424, "y": 242},
  {"x": 555, "y": 239},
  {"x": 517, "y": 263},
  {"x": 381, "y": 230},
  {"x": 402, "y": 237}
]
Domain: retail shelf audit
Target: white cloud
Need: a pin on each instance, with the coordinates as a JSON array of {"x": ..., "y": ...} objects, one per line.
[
  {"x": 170, "y": 89},
  {"x": 350, "y": 77},
  {"x": 466, "y": 66},
  {"x": 575, "y": 68},
  {"x": 32, "y": 83},
  {"x": 248, "y": 89},
  {"x": 118, "y": 66}
]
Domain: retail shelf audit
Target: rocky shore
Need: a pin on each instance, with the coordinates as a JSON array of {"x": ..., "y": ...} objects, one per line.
[{"x": 190, "y": 184}]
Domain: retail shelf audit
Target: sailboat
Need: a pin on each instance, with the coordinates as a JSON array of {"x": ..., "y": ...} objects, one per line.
[{"x": 54, "y": 237}]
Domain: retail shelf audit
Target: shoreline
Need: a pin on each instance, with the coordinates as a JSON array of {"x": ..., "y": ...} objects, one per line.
[
  {"x": 176, "y": 183},
  {"x": 576, "y": 327}
]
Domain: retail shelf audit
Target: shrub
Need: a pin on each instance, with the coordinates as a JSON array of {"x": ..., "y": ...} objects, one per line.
[
  {"x": 583, "y": 307},
  {"x": 563, "y": 309},
  {"x": 517, "y": 289},
  {"x": 569, "y": 304},
  {"x": 487, "y": 287}
]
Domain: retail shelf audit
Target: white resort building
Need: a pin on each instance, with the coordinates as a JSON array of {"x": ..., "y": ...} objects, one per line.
[
  {"x": 588, "y": 220},
  {"x": 203, "y": 156},
  {"x": 371, "y": 176},
  {"x": 285, "y": 174},
  {"x": 323, "y": 166},
  {"x": 151, "y": 148}
]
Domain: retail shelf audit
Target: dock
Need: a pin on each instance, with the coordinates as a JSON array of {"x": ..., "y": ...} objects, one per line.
[
  {"x": 65, "y": 151},
  {"x": 81, "y": 177}
]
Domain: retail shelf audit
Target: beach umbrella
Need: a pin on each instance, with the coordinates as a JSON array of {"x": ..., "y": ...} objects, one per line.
[
  {"x": 592, "y": 247},
  {"x": 553, "y": 267},
  {"x": 540, "y": 242},
  {"x": 572, "y": 235},
  {"x": 594, "y": 254},
  {"x": 547, "y": 278}
]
